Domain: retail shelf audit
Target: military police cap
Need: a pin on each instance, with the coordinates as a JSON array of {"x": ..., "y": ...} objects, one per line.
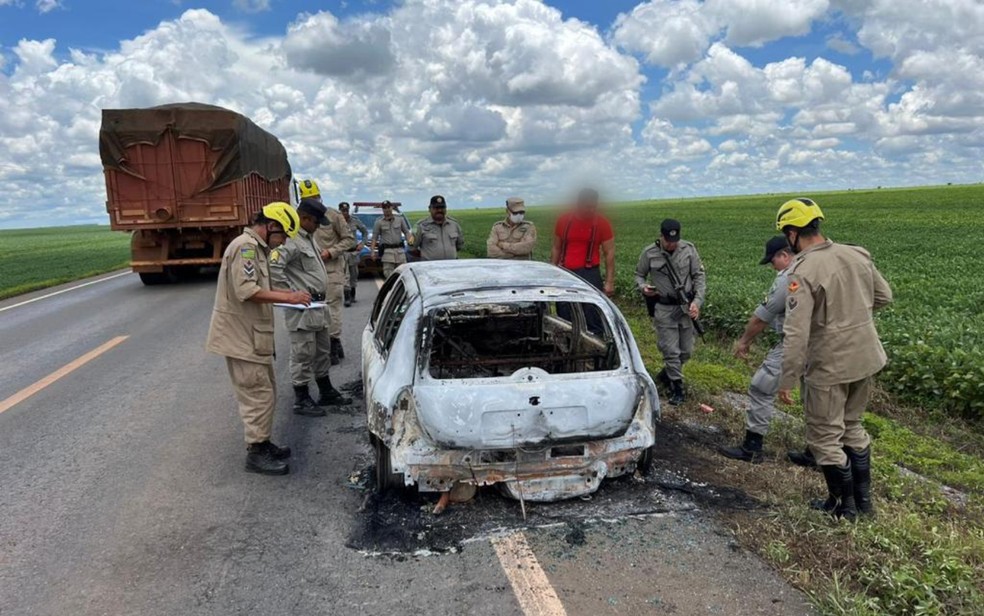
[
  {"x": 773, "y": 246},
  {"x": 313, "y": 208},
  {"x": 670, "y": 229},
  {"x": 438, "y": 201},
  {"x": 514, "y": 203},
  {"x": 343, "y": 206},
  {"x": 387, "y": 203}
]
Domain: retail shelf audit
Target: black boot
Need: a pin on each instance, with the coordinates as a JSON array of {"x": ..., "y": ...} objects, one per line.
[
  {"x": 304, "y": 404},
  {"x": 749, "y": 451},
  {"x": 677, "y": 395},
  {"x": 348, "y": 298},
  {"x": 336, "y": 348},
  {"x": 333, "y": 353},
  {"x": 259, "y": 460},
  {"x": 663, "y": 378},
  {"x": 329, "y": 396},
  {"x": 802, "y": 458},
  {"x": 840, "y": 490},
  {"x": 277, "y": 453},
  {"x": 861, "y": 471},
  {"x": 352, "y": 293}
]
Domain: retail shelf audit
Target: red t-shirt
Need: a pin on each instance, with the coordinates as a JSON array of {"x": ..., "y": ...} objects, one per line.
[{"x": 576, "y": 233}]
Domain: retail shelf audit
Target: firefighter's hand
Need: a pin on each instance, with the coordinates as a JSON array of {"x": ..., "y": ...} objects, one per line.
[
  {"x": 785, "y": 396},
  {"x": 300, "y": 297},
  {"x": 741, "y": 350},
  {"x": 694, "y": 311}
]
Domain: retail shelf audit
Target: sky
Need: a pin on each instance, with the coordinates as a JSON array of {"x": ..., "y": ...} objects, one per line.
[{"x": 480, "y": 100}]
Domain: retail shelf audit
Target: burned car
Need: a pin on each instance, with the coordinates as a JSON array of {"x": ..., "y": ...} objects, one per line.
[{"x": 480, "y": 372}]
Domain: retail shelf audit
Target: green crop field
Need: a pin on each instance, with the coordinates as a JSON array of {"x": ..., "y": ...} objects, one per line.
[
  {"x": 926, "y": 241},
  {"x": 36, "y": 258}
]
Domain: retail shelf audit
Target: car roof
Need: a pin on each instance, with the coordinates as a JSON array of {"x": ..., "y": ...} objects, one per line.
[{"x": 436, "y": 278}]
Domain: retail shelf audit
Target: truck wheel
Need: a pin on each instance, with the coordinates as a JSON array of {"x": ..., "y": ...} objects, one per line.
[
  {"x": 386, "y": 479},
  {"x": 153, "y": 278}
]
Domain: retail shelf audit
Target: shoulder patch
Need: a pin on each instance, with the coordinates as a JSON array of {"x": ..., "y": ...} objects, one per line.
[
  {"x": 275, "y": 254},
  {"x": 791, "y": 303},
  {"x": 794, "y": 286},
  {"x": 248, "y": 252}
]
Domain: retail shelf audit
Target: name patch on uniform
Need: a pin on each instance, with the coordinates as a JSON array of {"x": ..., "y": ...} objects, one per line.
[{"x": 247, "y": 252}]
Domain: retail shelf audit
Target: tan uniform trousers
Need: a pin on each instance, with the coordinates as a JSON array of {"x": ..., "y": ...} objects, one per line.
[
  {"x": 256, "y": 392},
  {"x": 334, "y": 297},
  {"x": 833, "y": 419},
  {"x": 310, "y": 355}
]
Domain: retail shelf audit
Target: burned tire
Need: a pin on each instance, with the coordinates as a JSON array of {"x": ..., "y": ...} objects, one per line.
[
  {"x": 386, "y": 479},
  {"x": 645, "y": 464}
]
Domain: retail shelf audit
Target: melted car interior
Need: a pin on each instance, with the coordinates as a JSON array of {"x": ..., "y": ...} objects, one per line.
[{"x": 495, "y": 340}]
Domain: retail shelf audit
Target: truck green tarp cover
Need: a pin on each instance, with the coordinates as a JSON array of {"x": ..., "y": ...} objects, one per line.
[{"x": 243, "y": 147}]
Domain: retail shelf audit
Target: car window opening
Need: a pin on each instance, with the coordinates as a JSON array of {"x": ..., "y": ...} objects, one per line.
[{"x": 495, "y": 340}]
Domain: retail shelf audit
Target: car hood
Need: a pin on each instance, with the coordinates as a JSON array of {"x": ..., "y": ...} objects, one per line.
[{"x": 528, "y": 408}]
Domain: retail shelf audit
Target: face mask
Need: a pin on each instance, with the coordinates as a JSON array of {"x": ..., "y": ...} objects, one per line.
[{"x": 516, "y": 218}]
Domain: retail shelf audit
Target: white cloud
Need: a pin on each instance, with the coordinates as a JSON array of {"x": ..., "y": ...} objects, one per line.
[{"x": 252, "y": 6}]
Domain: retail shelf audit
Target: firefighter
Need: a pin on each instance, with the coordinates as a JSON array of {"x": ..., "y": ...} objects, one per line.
[
  {"x": 241, "y": 330},
  {"x": 334, "y": 239},
  {"x": 514, "y": 237},
  {"x": 298, "y": 265},
  {"x": 830, "y": 342}
]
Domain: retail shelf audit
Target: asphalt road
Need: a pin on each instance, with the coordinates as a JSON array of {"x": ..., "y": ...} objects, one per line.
[{"x": 122, "y": 492}]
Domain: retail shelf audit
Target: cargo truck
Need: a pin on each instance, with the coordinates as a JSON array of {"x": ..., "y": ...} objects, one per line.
[{"x": 184, "y": 179}]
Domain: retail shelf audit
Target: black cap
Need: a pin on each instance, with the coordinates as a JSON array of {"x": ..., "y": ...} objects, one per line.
[
  {"x": 387, "y": 203},
  {"x": 343, "y": 205},
  {"x": 438, "y": 201},
  {"x": 670, "y": 229},
  {"x": 313, "y": 208},
  {"x": 773, "y": 246}
]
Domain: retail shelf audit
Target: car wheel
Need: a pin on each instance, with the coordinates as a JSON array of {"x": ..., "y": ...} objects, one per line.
[
  {"x": 645, "y": 463},
  {"x": 386, "y": 479}
]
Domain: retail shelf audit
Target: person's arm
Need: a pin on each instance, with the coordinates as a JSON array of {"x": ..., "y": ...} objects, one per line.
[
  {"x": 414, "y": 240},
  {"x": 883, "y": 292},
  {"x": 796, "y": 335},
  {"x": 343, "y": 233},
  {"x": 524, "y": 247},
  {"x": 492, "y": 248},
  {"x": 411, "y": 237},
  {"x": 642, "y": 274},
  {"x": 243, "y": 276},
  {"x": 361, "y": 228},
  {"x": 375, "y": 238},
  {"x": 699, "y": 278},
  {"x": 608, "y": 249},
  {"x": 279, "y": 258},
  {"x": 557, "y": 245},
  {"x": 753, "y": 329},
  {"x": 459, "y": 243}
]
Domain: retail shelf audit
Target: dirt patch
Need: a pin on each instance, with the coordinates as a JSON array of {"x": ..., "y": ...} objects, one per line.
[{"x": 402, "y": 524}]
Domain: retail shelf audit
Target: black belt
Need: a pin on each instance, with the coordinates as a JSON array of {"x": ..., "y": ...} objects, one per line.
[
  {"x": 317, "y": 297},
  {"x": 666, "y": 301},
  {"x": 393, "y": 245}
]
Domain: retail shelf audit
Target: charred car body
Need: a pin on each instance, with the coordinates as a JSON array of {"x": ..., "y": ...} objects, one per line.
[{"x": 489, "y": 372}]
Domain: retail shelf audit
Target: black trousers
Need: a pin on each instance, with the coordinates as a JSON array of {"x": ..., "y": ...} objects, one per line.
[{"x": 591, "y": 275}]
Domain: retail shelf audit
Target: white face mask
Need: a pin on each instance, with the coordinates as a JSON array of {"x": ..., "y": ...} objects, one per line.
[{"x": 516, "y": 218}]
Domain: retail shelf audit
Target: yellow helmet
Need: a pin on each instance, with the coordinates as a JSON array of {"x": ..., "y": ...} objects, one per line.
[
  {"x": 309, "y": 188},
  {"x": 283, "y": 213},
  {"x": 797, "y": 213}
]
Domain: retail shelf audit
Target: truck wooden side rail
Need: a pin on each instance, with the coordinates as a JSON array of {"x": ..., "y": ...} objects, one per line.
[{"x": 184, "y": 180}]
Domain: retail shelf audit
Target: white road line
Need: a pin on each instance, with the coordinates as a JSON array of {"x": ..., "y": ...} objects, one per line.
[
  {"x": 78, "y": 286},
  {"x": 65, "y": 370},
  {"x": 529, "y": 582}
]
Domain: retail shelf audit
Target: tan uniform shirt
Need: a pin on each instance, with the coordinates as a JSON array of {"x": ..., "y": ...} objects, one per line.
[
  {"x": 830, "y": 328},
  {"x": 336, "y": 237},
  {"x": 297, "y": 266},
  {"x": 686, "y": 262},
  {"x": 508, "y": 241},
  {"x": 240, "y": 328},
  {"x": 390, "y": 233},
  {"x": 438, "y": 242},
  {"x": 356, "y": 225}
]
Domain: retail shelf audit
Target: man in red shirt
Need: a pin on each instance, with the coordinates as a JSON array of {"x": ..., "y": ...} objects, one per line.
[{"x": 581, "y": 238}]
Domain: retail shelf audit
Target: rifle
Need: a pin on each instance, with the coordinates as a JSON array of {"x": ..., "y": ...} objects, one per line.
[{"x": 682, "y": 296}]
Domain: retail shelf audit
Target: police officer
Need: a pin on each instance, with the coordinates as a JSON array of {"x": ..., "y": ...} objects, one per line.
[
  {"x": 352, "y": 255},
  {"x": 514, "y": 237},
  {"x": 387, "y": 238},
  {"x": 673, "y": 317},
  {"x": 830, "y": 341},
  {"x": 297, "y": 265},
  {"x": 334, "y": 239},
  {"x": 241, "y": 330},
  {"x": 438, "y": 237},
  {"x": 765, "y": 382}
]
